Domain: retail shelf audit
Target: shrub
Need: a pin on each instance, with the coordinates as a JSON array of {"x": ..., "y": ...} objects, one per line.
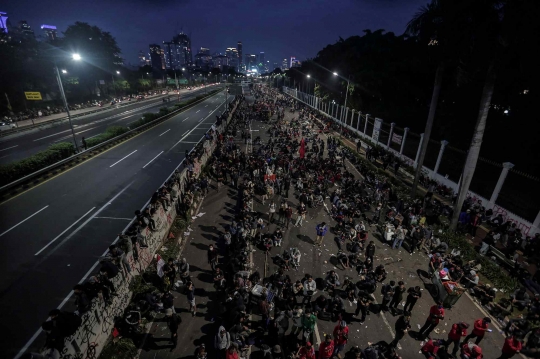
[
  {"x": 110, "y": 132},
  {"x": 16, "y": 170},
  {"x": 123, "y": 348}
]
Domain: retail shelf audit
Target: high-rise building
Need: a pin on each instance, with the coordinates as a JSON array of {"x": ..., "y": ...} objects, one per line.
[
  {"x": 220, "y": 61},
  {"x": 203, "y": 59},
  {"x": 49, "y": 31},
  {"x": 240, "y": 58},
  {"x": 295, "y": 62},
  {"x": 4, "y": 22},
  {"x": 25, "y": 30},
  {"x": 157, "y": 58},
  {"x": 276, "y": 66},
  {"x": 183, "y": 49},
  {"x": 261, "y": 58},
  {"x": 251, "y": 61},
  {"x": 284, "y": 65},
  {"x": 232, "y": 56}
]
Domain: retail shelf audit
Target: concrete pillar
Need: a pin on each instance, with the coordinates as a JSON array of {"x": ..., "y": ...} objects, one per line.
[
  {"x": 441, "y": 151},
  {"x": 418, "y": 151},
  {"x": 403, "y": 140},
  {"x": 506, "y": 167},
  {"x": 352, "y": 117},
  {"x": 359, "y": 119},
  {"x": 346, "y": 116},
  {"x": 390, "y": 134},
  {"x": 536, "y": 224},
  {"x": 365, "y": 126}
]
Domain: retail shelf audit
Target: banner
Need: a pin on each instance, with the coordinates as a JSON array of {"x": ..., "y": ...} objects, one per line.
[
  {"x": 376, "y": 129},
  {"x": 397, "y": 139},
  {"x": 35, "y": 96}
]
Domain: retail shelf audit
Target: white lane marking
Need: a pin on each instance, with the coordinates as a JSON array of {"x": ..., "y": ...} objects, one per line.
[
  {"x": 185, "y": 132},
  {"x": 194, "y": 128},
  {"x": 185, "y": 119},
  {"x": 8, "y": 148},
  {"x": 54, "y": 134},
  {"x": 164, "y": 132},
  {"x": 122, "y": 159},
  {"x": 125, "y": 219},
  {"x": 76, "y": 133},
  {"x": 202, "y": 119},
  {"x": 153, "y": 159},
  {"x": 198, "y": 111},
  {"x": 189, "y": 142},
  {"x": 61, "y": 234},
  {"x": 21, "y": 222},
  {"x": 6, "y": 156},
  {"x": 93, "y": 136}
]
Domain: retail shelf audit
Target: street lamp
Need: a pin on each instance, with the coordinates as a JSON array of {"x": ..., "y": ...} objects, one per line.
[
  {"x": 345, "y": 107},
  {"x": 75, "y": 57},
  {"x": 114, "y": 85}
]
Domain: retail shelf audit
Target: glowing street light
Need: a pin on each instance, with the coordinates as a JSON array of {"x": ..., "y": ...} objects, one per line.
[
  {"x": 76, "y": 57},
  {"x": 64, "y": 71},
  {"x": 118, "y": 72},
  {"x": 335, "y": 73}
]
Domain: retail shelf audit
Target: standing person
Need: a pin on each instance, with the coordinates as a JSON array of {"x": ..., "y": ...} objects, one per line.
[
  {"x": 173, "y": 321},
  {"x": 436, "y": 313},
  {"x": 288, "y": 215},
  {"x": 84, "y": 143},
  {"x": 306, "y": 352},
  {"x": 358, "y": 145},
  {"x": 212, "y": 255},
  {"x": 301, "y": 214},
  {"x": 191, "y": 298},
  {"x": 231, "y": 352},
  {"x": 479, "y": 330},
  {"x": 511, "y": 346},
  {"x": 271, "y": 211},
  {"x": 222, "y": 341},
  {"x": 417, "y": 238},
  {"x": 414, "y": 293},
  {"x": 398, "y": 296},
  {"x": 310, "y": 288},
  {"x": 370, "y": 250},
  {"x": 458, "y": 331},
  {"x": 387, "y": 292},
  {"x": 341, "y": 335},
  {"x": 362, "y": 305},
  {"x": 286, "y": 186},
  {"x": 321, "y": 230},
  {"x": 400, "y": 237},
  {"x": 402, "y": 326},
  {"x": 308, "y": 326},
  {"x": 326, "y": 348}
]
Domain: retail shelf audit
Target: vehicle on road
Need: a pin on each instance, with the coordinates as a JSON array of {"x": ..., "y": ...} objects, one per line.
[{"x": 7, "y": 126}]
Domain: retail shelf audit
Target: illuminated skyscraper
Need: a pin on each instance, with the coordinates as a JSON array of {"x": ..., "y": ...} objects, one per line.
[{"x": 49, "y": 31}]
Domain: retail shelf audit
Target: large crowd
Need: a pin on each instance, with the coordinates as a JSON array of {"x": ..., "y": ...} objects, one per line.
[{"x": 295, "y": 159}]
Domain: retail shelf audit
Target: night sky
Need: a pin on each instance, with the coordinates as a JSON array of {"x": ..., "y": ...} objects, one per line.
[{"x": 279, "y": 28}]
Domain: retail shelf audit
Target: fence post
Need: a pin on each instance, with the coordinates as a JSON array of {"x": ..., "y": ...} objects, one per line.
[
  {"x": 346, "y": 116},
  {"x": 365, "y": 126},
  {"x": 390, "y": 134},
  {"x": 403, "y": 140},
  {"x": 352, "y": 117},
  {"x": 536, "y": 223},
  {"x": 359, "y": 119},
  {"x": 502, "y": 177},
  {"x": 418, "y": 151},
  {"x": 441, "y": 151}
]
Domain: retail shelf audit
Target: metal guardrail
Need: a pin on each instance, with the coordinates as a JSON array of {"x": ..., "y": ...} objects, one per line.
[
  {"x": 58, "y": 120},
  {"x": 42, "y": 171}
]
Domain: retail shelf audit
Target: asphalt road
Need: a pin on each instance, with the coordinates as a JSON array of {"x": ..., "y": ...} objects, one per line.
[
  {"x": 54, "y": 233},
  {"x": 24, "y": 145}
]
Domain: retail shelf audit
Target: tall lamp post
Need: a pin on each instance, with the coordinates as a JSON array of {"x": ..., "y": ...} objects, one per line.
[
  {"x": 75, "y": 57},
  {"x": 346, "y": 93},
  {"x": 114, "y": 85}
]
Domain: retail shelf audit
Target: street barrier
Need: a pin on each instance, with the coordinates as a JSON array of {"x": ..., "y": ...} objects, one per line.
[{"x": 98, "y": 323}]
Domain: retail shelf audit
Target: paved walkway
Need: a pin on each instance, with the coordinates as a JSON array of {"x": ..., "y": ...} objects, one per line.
[{"x": 216, "y": 213}]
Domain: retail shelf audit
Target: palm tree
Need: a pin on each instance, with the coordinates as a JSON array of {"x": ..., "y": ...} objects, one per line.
[
  {"x": 430, "y": 25},
  {"x": 492, "y": 30}
]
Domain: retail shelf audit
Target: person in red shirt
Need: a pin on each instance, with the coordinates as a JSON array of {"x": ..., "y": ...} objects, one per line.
[
  {"x": 430, "y": 349},
  {"x": 436, "y": 313},
  {"x": 341, "y": 334},
  {"x": 306, "y": 352},
  {"x": 458, "y": 331},
  {"x": 471, "y": 351},
  {"x": 511, "y": 346},
  {"x": 479, "y": 330},
  {"x": 326, "y": 348},
  {"x": 231, "y": 353}
]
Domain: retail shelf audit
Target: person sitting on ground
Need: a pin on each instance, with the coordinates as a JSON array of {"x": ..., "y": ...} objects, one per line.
[{"x": 520, "y": 298}]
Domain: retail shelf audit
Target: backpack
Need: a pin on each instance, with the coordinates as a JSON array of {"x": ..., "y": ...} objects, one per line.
[{"x": 371, "y": 353}]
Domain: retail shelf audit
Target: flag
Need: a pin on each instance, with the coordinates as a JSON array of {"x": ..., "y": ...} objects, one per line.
[{"x": 302, "y": 148}]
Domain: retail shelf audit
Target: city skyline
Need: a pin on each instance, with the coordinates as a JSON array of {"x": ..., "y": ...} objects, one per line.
[{"x": 286, "y": 39}]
